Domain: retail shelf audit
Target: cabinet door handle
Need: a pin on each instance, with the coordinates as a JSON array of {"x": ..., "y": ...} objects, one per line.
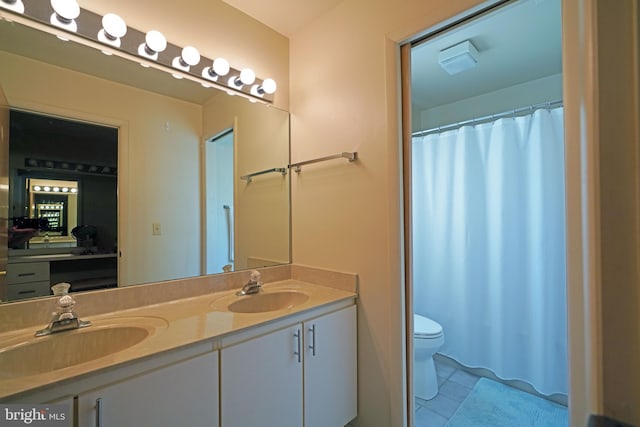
[
  {"x": 99, "y": 412},
  {"x": 26, "y": 274},
  {"x": 298, "y": 353},
  {"x": 312, "y": 346},
  {"x": 3, "y": 272}
]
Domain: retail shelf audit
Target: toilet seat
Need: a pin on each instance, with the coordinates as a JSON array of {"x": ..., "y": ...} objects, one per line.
[{"x": 424, "y": 327}]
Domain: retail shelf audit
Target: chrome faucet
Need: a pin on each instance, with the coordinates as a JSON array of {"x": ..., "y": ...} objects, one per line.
[
  {"x": 253, "y": 286},
  {"x": 65, "y": 318}
]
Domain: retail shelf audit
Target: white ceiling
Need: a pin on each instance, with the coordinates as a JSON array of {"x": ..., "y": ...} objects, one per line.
[
  {"x": 518, "y": 43},
  {"x": 284, "y": 16}
]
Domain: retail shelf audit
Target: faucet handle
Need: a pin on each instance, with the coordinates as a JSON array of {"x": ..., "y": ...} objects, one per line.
[
  {"x": 60, "y": 288},
  {"x": 255, "y": 276},
  {"x": 66, "y": 301}
]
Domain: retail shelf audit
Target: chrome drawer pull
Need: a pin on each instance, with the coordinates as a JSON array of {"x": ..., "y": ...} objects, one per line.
[{"x": 312, "y": 346}]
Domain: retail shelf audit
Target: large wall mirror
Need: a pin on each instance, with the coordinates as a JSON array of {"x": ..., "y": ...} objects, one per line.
[{"x": 159, "y": 196}]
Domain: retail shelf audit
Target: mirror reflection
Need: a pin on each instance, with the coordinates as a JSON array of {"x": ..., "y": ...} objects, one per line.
[{"x": 158, "y": 221}]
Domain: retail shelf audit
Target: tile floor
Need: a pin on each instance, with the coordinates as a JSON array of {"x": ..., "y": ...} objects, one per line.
[{"x": 455, "y": 385}]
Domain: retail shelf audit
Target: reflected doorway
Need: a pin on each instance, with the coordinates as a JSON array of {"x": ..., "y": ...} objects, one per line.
[{"x": 219, "y": 203}]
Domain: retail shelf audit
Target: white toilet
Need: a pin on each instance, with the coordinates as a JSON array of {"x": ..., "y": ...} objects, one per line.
[{"x": 427, "y": 339}]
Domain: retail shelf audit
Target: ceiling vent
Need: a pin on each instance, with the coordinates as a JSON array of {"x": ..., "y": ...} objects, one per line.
[{"x": 458, "y": 58}]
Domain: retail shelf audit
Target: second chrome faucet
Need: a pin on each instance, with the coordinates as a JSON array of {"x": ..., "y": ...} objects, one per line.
[{"x": 253, "y": 286}]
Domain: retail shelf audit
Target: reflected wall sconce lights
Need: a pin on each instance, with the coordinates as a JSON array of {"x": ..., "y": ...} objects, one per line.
[
  {"x": 110, "y": 34},
  {"x": 14, "y": 5}
]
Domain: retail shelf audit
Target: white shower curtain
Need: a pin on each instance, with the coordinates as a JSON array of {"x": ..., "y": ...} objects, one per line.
[{"x": 489, "y": 245}]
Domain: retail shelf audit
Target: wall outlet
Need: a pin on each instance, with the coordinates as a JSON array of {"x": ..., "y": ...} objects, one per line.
[{"x": 155, "y": 227}]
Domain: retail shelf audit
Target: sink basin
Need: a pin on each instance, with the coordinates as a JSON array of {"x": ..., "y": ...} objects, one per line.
[
  {"x": 267, "y": 301},
  {"x": 33, "y": 355}
]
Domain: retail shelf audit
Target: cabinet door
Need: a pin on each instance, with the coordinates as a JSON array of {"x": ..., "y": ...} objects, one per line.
[
  {"x": 330, "y": 369},
  {"x": 261, "y": 381},
  {"x": 184, "y": 394}
]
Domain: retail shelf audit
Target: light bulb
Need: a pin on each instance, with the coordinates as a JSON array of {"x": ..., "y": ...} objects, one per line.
[
  {"x": 74, "y": 190},
  {"x": 189, "y": 56},
  {"x": 154, "y": 42},
  {"x": 56, "y": 189},
  {"x": 220, "y": 67},
  {"x": 37, "y": 188},
  {"x": 64, "y": 14},
  {"x": 113, "y": 28},
  {"x": 65, "y": 189},
  {"x": 268, "y": 86},
  {"x": 14, "y": 5},
  {"x": 246, "y": 77}
]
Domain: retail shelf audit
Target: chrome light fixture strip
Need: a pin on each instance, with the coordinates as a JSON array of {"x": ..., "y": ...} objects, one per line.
[{"x": 37, "y": 15}]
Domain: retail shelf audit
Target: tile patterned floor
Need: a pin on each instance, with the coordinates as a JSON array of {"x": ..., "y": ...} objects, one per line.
[{"x": 454, "y": 385}]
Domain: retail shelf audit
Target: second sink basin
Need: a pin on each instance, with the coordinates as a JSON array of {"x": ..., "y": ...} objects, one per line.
[
  {"x": 31, "y": 355},
  {"x": 261, "y": 302},
  {"x": 265, "y": 301}
]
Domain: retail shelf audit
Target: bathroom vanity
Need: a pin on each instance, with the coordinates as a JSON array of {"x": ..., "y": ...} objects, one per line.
[
  {"x": 31, "y": 276},
  {"x": 286, "y": 356}
]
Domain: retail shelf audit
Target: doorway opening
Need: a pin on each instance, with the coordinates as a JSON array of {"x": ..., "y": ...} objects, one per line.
[
  {"x": 63, "y": 204},
  {"x": 488, "y": 269}
]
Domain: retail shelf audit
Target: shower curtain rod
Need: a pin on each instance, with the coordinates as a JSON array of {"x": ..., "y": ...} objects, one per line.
[{"x": 485, "y": 119}]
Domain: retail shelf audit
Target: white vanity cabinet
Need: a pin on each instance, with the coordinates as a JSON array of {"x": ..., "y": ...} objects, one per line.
[
  {"x": 261, "y": 379},
  {"x": 302, "y": 375},
  {"x": 182, "y": 394},
  {"x": 330, "y": 369}
]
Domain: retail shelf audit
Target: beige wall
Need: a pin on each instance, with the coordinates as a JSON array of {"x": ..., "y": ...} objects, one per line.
[
  {"x": 346, "y": 216},
  {"x": 618, "y": 78}
]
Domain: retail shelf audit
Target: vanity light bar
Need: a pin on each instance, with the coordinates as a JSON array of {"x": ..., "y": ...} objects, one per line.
[
  {"x": 112, "y": 36},
  {"x": 70, "y": 166}
]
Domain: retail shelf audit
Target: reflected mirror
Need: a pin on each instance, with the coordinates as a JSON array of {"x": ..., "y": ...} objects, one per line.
[{"x": 168, "y": 223}]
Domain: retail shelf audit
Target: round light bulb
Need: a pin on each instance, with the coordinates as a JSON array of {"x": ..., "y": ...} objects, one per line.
[
  {"x": 190, "y": 55},
  {"x": 37, "y": 188},
  {"x": 221, "y": 66},
  {"x": 247, "y": 76},
  {"x": 156, "y": 41},
  {"x": 269, "y": 86},
  {"x": 47, "y": 188},
  {"x": 66, "y": 9},
  {"x": 114, "y": 25},
  {"x": 65, "y": 189},
  {"x": 74, "y": 190},
  {"x": 56, "y": 189}
]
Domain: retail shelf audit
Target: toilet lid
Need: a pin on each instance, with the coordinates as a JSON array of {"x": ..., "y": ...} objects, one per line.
[{"x": 425, "y": 327}]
